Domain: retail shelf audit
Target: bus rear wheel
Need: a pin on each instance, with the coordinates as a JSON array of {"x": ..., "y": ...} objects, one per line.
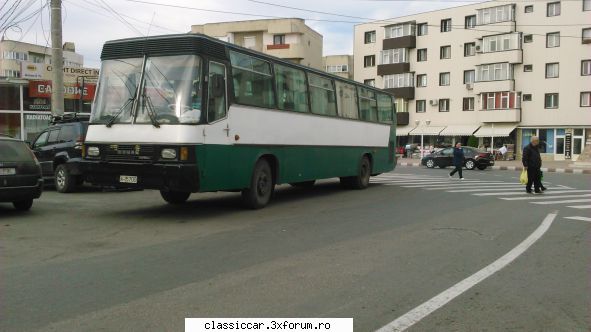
[
  {"x": 175, "y": 197},
  {"x": 261, "y": 186},
  {"x": 361, "y": 181}
]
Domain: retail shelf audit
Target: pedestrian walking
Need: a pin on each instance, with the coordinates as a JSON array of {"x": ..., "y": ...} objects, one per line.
[
  {"x": 458, "y": 161},
  {"x": 532, "y": 163}
]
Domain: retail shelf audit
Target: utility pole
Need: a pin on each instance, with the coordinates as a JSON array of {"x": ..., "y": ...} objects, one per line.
[{"x": 57, "y": 59}]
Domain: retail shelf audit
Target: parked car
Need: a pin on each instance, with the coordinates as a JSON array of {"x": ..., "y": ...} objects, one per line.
[
  {"x": 20, "y": 174},
  {"x": 59, "y": 150},
  {"x": 473, "y": 158}
]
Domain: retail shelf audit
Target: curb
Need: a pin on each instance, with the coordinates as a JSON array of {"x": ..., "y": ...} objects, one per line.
[{"x": 518, "y": 168}]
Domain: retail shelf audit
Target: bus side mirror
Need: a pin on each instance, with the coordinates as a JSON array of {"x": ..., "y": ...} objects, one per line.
[{"x": 217, "y": 85}]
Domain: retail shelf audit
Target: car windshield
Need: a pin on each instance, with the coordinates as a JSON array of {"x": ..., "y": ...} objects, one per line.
[
  {"x": 169, "y": 94},
  {"x": 11, "y": 151}
]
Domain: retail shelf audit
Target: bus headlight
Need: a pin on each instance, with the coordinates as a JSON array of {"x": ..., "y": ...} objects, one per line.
[
  {"x": 168, "y": 154},
  {"x": 93, "y": 151}
]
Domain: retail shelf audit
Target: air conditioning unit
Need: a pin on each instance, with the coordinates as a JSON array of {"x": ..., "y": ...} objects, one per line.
[
  {"x": 478, "y": 49},
  {"x": 469, "y": 86},
  {"x": 433, "y": 102}
]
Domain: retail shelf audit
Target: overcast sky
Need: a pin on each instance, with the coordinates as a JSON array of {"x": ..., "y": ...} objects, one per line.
[{"x": 89, "y": 23}]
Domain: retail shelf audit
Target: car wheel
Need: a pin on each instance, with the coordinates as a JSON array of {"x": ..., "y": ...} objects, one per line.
[
  {"x": 175, "y": 197},
  {"x": 261, "y": 186},
  {"x": 430, "y": 163},
  {"x": 64, "y": 181},
  {"x": 481, "y": 167},
  {"x": 470, "y": 164},
  {"x": 23, "y": 205},
  {"x": 303, "y": 184}
]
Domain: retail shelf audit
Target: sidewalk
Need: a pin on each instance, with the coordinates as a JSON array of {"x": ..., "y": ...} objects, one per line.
[{"x": 515, "y": 165}]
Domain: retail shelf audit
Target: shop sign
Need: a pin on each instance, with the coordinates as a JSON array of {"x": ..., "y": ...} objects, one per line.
[
  {"x": 32, "y": 70},
  {"x": 43, "y": 117},
  {"x": 568, "y": 137},
  {"x": 75, "y": 74},
  {"x": 42, "y": 89}
]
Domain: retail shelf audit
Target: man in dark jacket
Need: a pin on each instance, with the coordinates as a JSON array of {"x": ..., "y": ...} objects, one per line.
[
  {"x": 532, "y": 162},
  {"x": 458, "y": 161}
]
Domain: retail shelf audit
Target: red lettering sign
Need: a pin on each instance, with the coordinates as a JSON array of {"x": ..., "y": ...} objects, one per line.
[{"x": 42, "y": 89}]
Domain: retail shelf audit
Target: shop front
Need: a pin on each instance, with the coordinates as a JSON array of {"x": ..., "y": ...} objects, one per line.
[{"x": 565, "y": 143}]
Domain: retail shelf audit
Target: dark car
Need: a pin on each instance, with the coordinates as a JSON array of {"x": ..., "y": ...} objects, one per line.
[
  {"x": 473, "y": 158},
  {"x": 59, "y": 150},
  {"x": 20, "y": 174}
]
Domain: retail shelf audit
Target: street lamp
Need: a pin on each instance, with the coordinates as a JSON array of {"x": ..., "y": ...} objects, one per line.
[{"x": 418, "y": 122}]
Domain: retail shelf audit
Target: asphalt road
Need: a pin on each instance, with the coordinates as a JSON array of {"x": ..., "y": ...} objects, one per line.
[{"x": 127, "y": 261}]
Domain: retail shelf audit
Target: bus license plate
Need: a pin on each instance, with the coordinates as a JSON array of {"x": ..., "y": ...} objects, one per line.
[
  {"x": 127, "y": 179},
  {"x": 7, "y": 171}
]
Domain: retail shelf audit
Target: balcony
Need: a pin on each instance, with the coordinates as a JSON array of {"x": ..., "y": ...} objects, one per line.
[
  {"x": 493, "y": 86},
  {"x": 402, "y": 118},
  {"x": 277, "y": 47},
  {"x": 393, "y": 68},
  {"x": 500, "y": 115},
  {"x": 286, "y": 51},
  {"x": 399, "y": 42},
  {"x": 510, "y": 56},
  {"x": 404, "y": 92}
]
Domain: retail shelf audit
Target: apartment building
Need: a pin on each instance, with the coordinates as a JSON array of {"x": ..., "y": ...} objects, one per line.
[
  {"x": 501, "y": 71},
  {"x": 289, "y": 38},
  {"x": 340, "y": 65}
]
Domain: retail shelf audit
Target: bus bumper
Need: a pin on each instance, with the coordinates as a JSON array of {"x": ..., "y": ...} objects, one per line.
[{"x": 168, "y": 177}]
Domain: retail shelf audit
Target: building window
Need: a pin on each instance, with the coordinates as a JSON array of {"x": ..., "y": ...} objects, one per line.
[
  {"x": 529, "y": 9},
  {"x": 469, "y": 49},
  {"x": 400, "y": 30},
  {"x": 250, "y": 42},
  {"x": 586, "y": 5},
  {"x": 553, "y": 39},
  {"x": 494, "y": 14},
  {"x": 443, "y": 79},
  {"x": 469, "y": 76},
  {"x": 421, "y": 106},
  {"x": 278, "y": 39},
  {"x": 501, "y": 100},
  {"x": 446, "y": 25},
  {"x": 504, "y": 42},
  {"x": 528, "y": 68},
  {"x": 13, "y": 55},
  {"x": 370, "y": 82},
  {"x": 528, "y": 38},
  {"x": 12, "y": 73},
  {"x": 443, "y": 105},
  {"x": 553, "y": 9},
  {"x": 422, "y": 80},
  {"x": 337, "y": 68},
  {"x": 527, "y": 97},
  {"x": 551, "y": 70},
  {"x": 586, "y": 36},
  {"x": 370, "y": 37},
  {"x": 421, "y": 54},
  {"x": 586, "y": 99},
  {"x": 551, "y": 100},
  {"x": 494, "y": 72},
  {"x": 585, "y": 67},
  {"x": 398, "y": 55},
  {"x": 445, "y": 52},
  {"x": 398, "y": 81},
  {"x": 470, "y": 22},
  {"x": 468, "y": 104},
  {"x": 422, "y": 29},
  {"x": 369, "y": 61}
]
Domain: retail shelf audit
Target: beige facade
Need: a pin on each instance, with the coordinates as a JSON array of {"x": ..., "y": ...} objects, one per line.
[
  {"x": 289, "y": 39},
  {"x": 340, "y": 65},
  {"x": 530, "y": 65}
]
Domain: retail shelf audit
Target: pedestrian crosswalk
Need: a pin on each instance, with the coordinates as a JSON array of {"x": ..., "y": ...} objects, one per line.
[{"x": 559, "y": 196}]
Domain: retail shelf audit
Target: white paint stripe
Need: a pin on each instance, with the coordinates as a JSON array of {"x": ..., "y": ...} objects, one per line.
[
  {"x": 542, "y": 197},
  {"x": 456, "y": 184},
  {"x": 412, "y": 317},
  {"x": 563, "y": 202},
  {"x": 511, "y": 193},
  {"x": 579, "y": 218},
  {"x": 485, "y": 190},
  {"x": 580, "y": 206},
  {"x": 430, "y": 183}
]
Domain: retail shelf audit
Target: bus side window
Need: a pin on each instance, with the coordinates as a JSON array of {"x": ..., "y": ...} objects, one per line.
[{"x": 216, "y": 108}]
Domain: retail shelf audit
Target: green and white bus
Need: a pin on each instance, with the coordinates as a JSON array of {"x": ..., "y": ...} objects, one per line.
[{"x": 189, "y": 113}]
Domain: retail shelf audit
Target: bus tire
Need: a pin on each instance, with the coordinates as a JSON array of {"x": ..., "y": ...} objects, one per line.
[
  {"x": 303, "y": 184},
  {"x": 261, "y": 186},
  {"x": 175, "y": 197},
  {"x": 361, "y": 181}
]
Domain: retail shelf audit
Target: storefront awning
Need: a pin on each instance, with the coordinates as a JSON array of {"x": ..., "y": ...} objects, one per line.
[
  {"x": 459, "y": 130},
  {"x": 427, "y": 130},
  {"x": 403, "y": 130},
  {"x": 500, "y": 130}
]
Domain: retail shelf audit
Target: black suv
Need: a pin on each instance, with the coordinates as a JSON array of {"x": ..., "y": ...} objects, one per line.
[
  {"x": 20, "y": 174},
  {"x": 59, "y": 150}
]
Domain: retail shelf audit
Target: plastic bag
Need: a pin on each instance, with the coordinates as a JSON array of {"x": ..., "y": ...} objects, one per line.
[{"x": 523, "y": 177}]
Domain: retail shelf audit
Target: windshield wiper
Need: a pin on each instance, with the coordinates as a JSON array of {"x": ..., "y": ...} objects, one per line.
[
  {"x": 150, "y": 109},
  {"x": 119, "y": 111}
]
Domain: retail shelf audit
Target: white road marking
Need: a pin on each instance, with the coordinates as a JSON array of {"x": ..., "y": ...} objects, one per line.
[
  {"x": 563, "y": 202},
  {"x": 543, "y": 197},
  {"x": 517, "y": 188},
  {"x": 580, "y": 206},
  {"x": 457, "y": 184},
  {"x": 415, "y": 315},
  {"x": 579, "y": 218},
  {"x": 512, "y": 193}
]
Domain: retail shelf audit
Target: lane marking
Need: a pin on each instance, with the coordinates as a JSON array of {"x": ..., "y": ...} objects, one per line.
[
  {"x": 459, "y": 184},
  {"x": 517, "y": 188},
  {"x": 543, "y": 197},
  {"x": 579, "y": 218},
  {"x": 415, "y": 315},
  {"x": 564, "y": 201},
  {"x": 580, "y": 206},
  {"x": 523, "y": 193}
]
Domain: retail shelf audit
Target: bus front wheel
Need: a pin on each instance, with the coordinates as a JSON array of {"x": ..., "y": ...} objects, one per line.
[
  {"x": 175, "y": 197},
  {"x": 261, "y": 186},
  {"x": 361, "y": 181}
]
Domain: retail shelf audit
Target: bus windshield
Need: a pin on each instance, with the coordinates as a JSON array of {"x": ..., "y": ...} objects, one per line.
[{"x": 170, "y": 92}]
